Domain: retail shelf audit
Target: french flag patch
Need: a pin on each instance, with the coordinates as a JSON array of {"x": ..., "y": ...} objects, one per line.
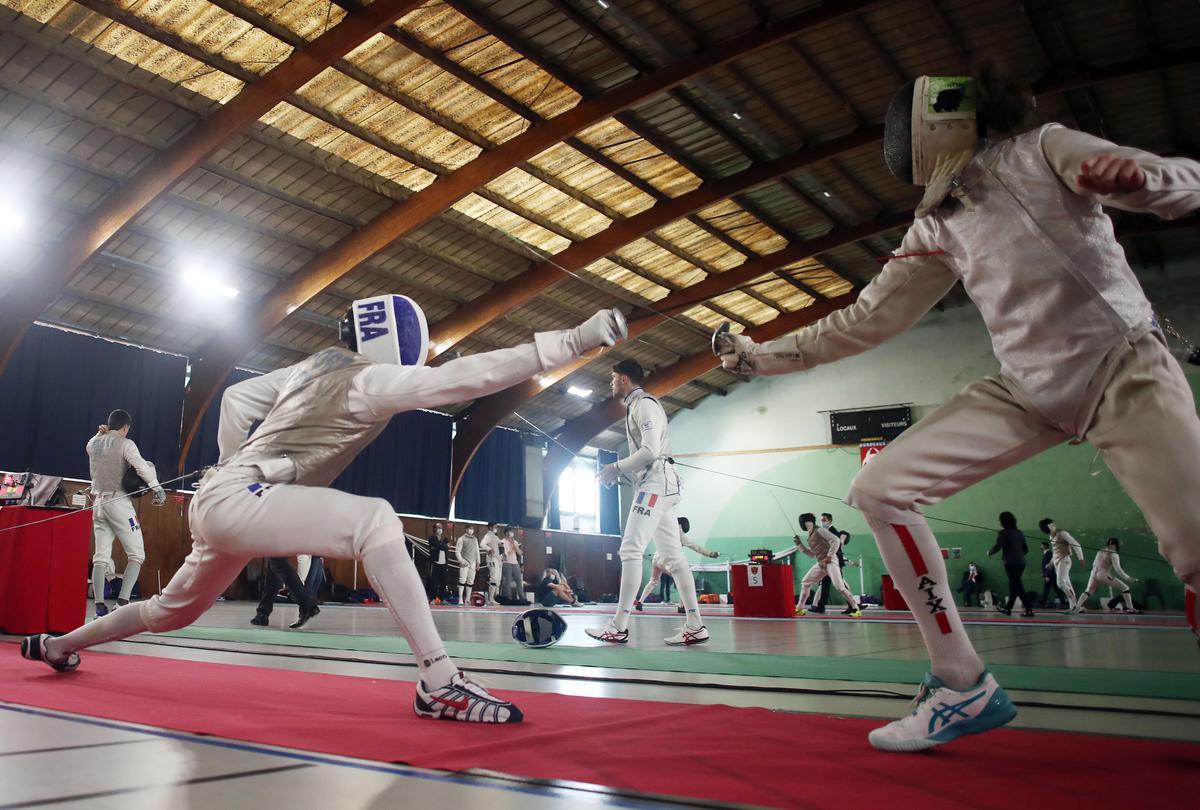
[{"x": 641, "y": 496}]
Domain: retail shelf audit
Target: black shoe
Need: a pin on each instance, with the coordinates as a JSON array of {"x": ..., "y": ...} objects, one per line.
[
  {"x": 261, "y": 620},
  {"x": 122, "y": 602},
  {"x": 1005, "y": 611},
  {"x": 304, "y": 617},
  {"x": 818, "y": 609},
  {"x": 637, "y": 605},
  {"x": 681, "y": 610},
  {"x": 1027, "y": 614},
  {"x": 847, "y": 611}
]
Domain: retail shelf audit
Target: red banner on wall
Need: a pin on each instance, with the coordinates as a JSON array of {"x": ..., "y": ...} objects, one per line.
[{"x": 869, "y": 448}]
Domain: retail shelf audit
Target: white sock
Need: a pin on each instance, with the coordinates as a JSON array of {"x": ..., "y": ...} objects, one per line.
[
  {"x": 492, "y": 591},
  {"x": 392, "y": 574},
  {"x": 850, "y": 600},
  {"x": 804, "y": 589},
  {"x": 98, "y": 572},
  {"x": 631, "y": 580},
  {"x": 1128, "y": 597},
  {"x": 918, "y": 571},
  {"x": 129, "y": 579},
  {"x": 687, "y": 593},
  {"x": 117, "y": 625},
  {"x": 650, "y": 586}
]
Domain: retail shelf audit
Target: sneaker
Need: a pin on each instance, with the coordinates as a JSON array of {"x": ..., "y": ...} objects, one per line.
[
  {"x": 687, "y": 636},
  {"x": 1134, "y": 612},
  {"x": 608, "y": 633},
  {"x": 304, "y": 617},
  {"x": 941, "y": 714},
  {"x": 637, "y": 605},
  {"x": 1005, "y": 611},
  {"x": 850, "y": 610},
  {"x": 101, "y": 609},
  {"x": 1080, "y": 609},
  {"x": 854, "y": 614},
  {"x": 463, "y": 699},
  {"x": 1071, "y": 611},
  {"x": 818, "y": 609},
  {"x": 1028, "y": 614},
  {"x": 122, "y": 602},
  {"x": 260, "y": 620},
  {"x": 33, "y": 648},
  {"x": 801, "y": 611}
]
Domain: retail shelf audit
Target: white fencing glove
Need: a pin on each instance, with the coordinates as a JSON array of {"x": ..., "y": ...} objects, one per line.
[
  {"x": 160, "y": 496},
  {"x": 606, "y": 328}
]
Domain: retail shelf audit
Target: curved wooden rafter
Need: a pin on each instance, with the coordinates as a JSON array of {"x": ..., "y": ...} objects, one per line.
[
  {"x": 24, "y": 305},
  {"x": 217, "y": 359},
  {"x": 489, "y": 411}
]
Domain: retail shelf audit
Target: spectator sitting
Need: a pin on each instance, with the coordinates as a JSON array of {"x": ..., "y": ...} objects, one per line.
[
  {"x": 972, "y": 583},
  {"x": 553, "y": 590}
]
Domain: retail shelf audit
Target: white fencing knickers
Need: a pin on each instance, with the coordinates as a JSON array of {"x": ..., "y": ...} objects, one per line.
[
  {"x": 113, "y": 515},
  {"x": 817, "y": 573},
  {"x": 466, "y": 573},
  {"x": 1062, "y": 573},
  {"x": 652, "y": 517},
  {"x": 1099, "y": 578}
]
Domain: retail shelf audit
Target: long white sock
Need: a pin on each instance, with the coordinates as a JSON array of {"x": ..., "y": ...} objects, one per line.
[
  {"x": 117, "y": 625},
  {"x": 392, "y": 574},
  {"x": 98, "y": 572},
  {"x": 1070, "y": 592},
  {"x": 687, "y": 592},
  {"x": 650, "y": 586},
  {"x": 918, "y": 571},
  {"x": 492, "y": 591},
  {"x": 804, "y": 590},
  {"x": 849, "y": 596},
  {"x": 631, "y": 580},
  {"x": 129, "y": 579}
]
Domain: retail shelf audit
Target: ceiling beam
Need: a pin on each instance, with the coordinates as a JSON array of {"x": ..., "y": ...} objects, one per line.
[
  {"x": 455, "y": 328},
  {"x": 23, "y": 305},
  {"x": 211, "y": 369}
]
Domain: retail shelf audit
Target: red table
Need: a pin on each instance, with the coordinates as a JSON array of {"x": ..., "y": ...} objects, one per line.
[
  {"x": 892, "y": 600},
  {"x": 43, "y": 569},
  {"x": 762, "y": 590}
]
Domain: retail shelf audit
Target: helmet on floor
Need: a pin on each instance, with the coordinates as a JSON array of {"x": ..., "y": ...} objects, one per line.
[
  {"x": 539, "y": 627},
  {"x": 478, "y": 599}
]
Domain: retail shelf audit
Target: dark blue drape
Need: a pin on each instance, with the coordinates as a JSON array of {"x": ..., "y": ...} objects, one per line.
[
  {"x": 610, "y": 497},
  {"x": 60, "y": 385},
  {"x": 203, "y": 451},
  {"x": 408, "y": 465},
  {"x": 493, "y": 487}
]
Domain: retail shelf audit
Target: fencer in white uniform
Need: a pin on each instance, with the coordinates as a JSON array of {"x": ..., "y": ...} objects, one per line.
[
  {"x": 823, "y": 546},
  {"x": 268, "y": 494},
  {"x": 652, "y": 515},
  {"x": 491, "y": 554},
  {"x": 1106, "y": 568},
  {"x": 1019, "y": 221},
  {"x": 110, "y": 451},
  {"x": 466, "y": 549},
  {"x": 658, "y": 563},
  {"x": 1062, "y": 546}
]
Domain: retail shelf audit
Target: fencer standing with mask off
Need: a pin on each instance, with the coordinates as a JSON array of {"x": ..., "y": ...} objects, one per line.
[
  {"x": 466, "y": 549},
  {"x": 652, "y": 515},
  {"x": 268, "y": 494},
  {"x": 110, "y": 451},
  {"x": 1018, "y": 220},
  {"x": 1062, "y": 546}
]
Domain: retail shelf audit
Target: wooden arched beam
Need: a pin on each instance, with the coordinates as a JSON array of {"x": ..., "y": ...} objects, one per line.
[
  {"x": 216, "y": 360},
  {"x": 471, "y": 317},
  {"x": 577, "y": 432},
  {"x": 489, "y": 411},
  {"x": 25, "y": 303}
]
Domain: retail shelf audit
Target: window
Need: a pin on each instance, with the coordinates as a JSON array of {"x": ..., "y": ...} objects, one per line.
[{"x": 579, "y": 496}]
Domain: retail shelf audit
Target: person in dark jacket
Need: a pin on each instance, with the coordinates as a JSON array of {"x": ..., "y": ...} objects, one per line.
[
  {"x": 1010, "y": 542},
  {"x": 439, "y": 557}
]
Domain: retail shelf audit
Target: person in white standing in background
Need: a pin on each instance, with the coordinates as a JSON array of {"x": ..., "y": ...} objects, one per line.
[
  {"x": 652, "y": 515},
  {"x": 493, "y": 557},
  {"x": 269, "y": 494},
  {"x": 1106, "y": 564},
  {"x": 109, "y": 452},
  {"x": 658, "y": 563},
  {"x": 466, "y": 549},
  {"x": 1062, "y": 546}
]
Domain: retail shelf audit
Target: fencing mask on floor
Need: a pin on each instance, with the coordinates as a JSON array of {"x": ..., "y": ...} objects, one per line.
[
  {"x": 539, "y": 627},
  {"x": 386, "y": 329}
]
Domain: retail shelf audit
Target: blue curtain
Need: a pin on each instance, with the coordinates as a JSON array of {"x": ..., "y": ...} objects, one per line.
[
  {"x": 203, "y": 451},
  {"x": 610, "y": 498},
  {"x": 493, "y": 487},
  {"x": 60, "y": 385},
  {"x": 408, "y": 465}
]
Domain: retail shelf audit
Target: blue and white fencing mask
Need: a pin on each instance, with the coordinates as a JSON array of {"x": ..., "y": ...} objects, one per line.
[
  {"x": 387, "y": 329},
  {"x": 539, "y": 627}
]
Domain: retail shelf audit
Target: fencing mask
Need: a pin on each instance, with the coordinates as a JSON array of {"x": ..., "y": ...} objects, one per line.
[
  {"x": 538, "y": 627},
  {"x": 387, "y": 329},
  {"x": 931, "y": 131}
]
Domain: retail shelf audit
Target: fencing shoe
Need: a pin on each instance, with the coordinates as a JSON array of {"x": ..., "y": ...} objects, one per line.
[
  {"x": 305, "y": 615},
  {"x": 101, "y": 610},
  {"x": 463, "y": 699},
  {"x": 260, "y": 620},
  {"x": 687, "y": 636},
  {"x": 608, "y": 633},
  {"x": 34, "y": 649},
  {"x": 940, "y": 714}
]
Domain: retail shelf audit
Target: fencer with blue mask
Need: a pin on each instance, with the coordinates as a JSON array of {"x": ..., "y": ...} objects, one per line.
[
  {"x": 1018, "y": 219},
  {"x": 268, "y": 495}
]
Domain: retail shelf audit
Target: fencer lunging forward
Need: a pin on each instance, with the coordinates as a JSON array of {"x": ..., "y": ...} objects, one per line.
[
  {"x": 1018, "y": 220},
  {"x": 110, "y": 451},
  {"x": 1106, "y": 568},
  {"x": 823, "y": 546},
  {"x": 267, "y": 496},
  {"x": 1062, "y": 546},
  {"x": 652, "y": 514}
]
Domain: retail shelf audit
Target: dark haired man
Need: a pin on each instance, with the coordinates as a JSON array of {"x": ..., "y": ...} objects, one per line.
[
  {"x": 652, "y": 514},
  {"x": 110, "y": 451}
]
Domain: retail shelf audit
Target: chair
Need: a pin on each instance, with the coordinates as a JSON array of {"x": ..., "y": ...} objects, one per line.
[{"x": 1154, "y": 588}]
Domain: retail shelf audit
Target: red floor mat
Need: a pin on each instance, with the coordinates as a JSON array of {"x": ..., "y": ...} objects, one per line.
[{"x": 751, "y": 756}]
